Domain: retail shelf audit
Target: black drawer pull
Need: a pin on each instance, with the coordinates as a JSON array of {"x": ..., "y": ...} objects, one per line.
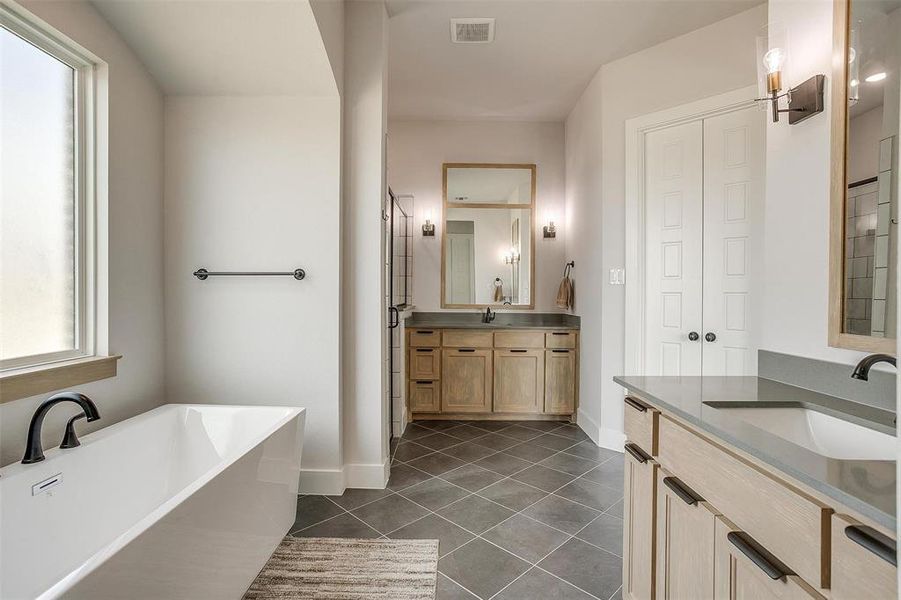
[
  {"x": 758, "y": 555},
  {"x": 425, "y": 331},
  {"x": 520, "y": 351},
  {"x": 637, "y": 453},
  {"x": 425, "y": 349},
  {"x": 561, "y": 351},
  {"x": 879, "y": 544},
  {"x": 466, "y": 350},
  {"x": 560, "y": 333},
  {"x": 635, "y": 404},
  {"x": 423, "y": 383},
  {"x": 685, "y": 493}
]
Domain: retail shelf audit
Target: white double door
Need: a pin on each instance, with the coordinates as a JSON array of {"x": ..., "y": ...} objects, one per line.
[{"x": 704, "y": 185}]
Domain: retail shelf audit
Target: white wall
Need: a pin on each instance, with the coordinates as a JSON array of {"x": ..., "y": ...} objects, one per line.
[
  {"x": 703, "y": 63},
  {"x": 416, "y": 151},
  {"x": 864, "y": 134},
  {"x": 135, "y": 238},
  {"x": 364, "y": 355},
  {"x": 252, "y": 183}
]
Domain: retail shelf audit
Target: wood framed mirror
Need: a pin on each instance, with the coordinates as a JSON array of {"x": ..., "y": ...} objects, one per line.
[
  {"x": 488, "y": 235},
  {"x": 866, "y": 101}
]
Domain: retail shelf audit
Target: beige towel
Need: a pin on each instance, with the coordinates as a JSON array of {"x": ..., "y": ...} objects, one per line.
[
  {"x": 498, "y": 290},
  {"x": 566, "y": 294}
]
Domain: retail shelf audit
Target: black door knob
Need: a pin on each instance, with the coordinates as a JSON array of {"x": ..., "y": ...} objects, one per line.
[
  {"x": 693, "y": 336},
  {"x": 710, "y": 337}
]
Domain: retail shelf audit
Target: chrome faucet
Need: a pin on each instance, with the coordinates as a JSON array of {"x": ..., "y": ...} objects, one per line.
[
  {"x": 488, "y": 317},
  {"x": 862, "y": 370},
  {"x": 34, "y": 452}
]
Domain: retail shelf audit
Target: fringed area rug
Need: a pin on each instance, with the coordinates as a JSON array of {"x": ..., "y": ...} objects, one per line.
[{"x": 348, "y": 569}]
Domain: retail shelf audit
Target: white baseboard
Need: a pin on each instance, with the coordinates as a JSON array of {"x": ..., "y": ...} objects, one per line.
[
  {"x": 588, "y": 425},
  {"x": 611, "y": 439},
  {"x": 329, "y": 482},
  {"x": 371, "y": 476}
]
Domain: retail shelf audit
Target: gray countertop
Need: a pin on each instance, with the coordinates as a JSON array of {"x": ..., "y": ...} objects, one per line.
[
  {"x": 867, "y": 486},
  {"x": 503, "y": 320}
]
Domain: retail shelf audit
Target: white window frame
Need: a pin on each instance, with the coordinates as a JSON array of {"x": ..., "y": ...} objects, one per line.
[{"x": 85, "y": 67}]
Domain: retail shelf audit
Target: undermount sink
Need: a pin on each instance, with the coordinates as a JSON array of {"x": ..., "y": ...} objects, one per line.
[{"x": 824, "y": 434}]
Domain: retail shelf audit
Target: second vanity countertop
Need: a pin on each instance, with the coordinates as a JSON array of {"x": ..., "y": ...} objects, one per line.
[
  {"x": 867, "y": 486},
  {"x": 504, "y": 320}
]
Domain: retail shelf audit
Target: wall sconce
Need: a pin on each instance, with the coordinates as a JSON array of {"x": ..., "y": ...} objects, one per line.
[
  {"x": 428, "y": 228},
  {"x": 512, "y": 257},
  {"x": 549, "y": 230},
  {"x": 804, "y": 100}
]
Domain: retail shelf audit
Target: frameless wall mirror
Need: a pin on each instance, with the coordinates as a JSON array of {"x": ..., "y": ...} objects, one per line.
[
  {"x": 865, "y": 127},
  {"x": 488, "y": 241}
]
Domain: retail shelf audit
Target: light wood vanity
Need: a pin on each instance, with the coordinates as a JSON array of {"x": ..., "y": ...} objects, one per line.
[
  {"x": 490, "y": 373},
  {"x": 703, "y": 519}
]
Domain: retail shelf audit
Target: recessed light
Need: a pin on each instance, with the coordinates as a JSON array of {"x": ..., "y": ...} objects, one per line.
[{"x": 875, "y": 77}]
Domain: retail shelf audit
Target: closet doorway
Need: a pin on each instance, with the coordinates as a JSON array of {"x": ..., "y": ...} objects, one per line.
[{"x": 695, "y": 189}]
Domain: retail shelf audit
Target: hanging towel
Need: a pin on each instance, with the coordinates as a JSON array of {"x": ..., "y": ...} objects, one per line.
[
  {"x": 566, "y": 292},
  {"x": 498, "y": 290}
]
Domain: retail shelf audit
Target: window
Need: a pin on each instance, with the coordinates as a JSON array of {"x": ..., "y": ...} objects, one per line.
[{"x": 47, "y": 229}]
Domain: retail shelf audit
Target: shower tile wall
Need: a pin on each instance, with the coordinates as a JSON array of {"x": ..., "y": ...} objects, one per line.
[
  {"x": 860, "y": 233},
  {"x": 883, "y": 242}
]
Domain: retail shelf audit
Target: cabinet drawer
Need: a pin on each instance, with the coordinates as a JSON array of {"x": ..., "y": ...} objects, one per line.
[
  {"x": 561, "y": 339},
  {"x": 425, "y": 396},
  {"x": 519, "y": 339},
  {"x": 425, "y": 363},
  {"x": 861, "y": 566},
  {"x": 640, "y": 421},
  {"x": 461, "y": 338},
  {"x": 789, "y": 524},
  {"x": 429, "y": 338},
  {"x": 747, "y": 570}
]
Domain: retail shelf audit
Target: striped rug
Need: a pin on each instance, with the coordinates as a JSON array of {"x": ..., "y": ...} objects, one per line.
[{"x": 348, "y": 569}]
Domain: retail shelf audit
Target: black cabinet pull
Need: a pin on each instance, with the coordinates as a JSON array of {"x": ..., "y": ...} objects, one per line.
[
  {"x": 425, "y": 349},
  {"x": 423, "y": 383},
  {"x": 637, "y": 453},
  {"x": 685, "y": 493},
  {"x": 425, "y": 331},
  {"x": 758, "y": 555},
  {"x": 518, "y": 350},
  {"x": 879, "y": 544},
  {"x": 635, "y": 404},
  {"x": 560, "y": 333},
  {"x": 561, "y": 351},
  {"x": 466, "y": 350}
]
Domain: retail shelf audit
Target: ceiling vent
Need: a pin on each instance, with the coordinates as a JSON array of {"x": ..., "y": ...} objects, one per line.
[{"x": 472, "y": 31}]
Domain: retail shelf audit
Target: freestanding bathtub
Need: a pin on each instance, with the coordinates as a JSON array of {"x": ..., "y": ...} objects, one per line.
[{"x": 184, "y": 501}]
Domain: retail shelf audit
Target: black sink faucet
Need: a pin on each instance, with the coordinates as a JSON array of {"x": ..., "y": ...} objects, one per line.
[
  {"x": 862, "y": 370},
  {"x": 34, "y": 452},
  {"x": 488, "y": 317}
]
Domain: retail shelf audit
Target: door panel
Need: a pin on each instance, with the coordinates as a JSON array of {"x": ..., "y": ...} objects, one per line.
[
  {"x": 461, "y": 273},
  {"x": 639, "y": 537},
  {"x": 518, "y": 380},
  {"x": 467, "y": 378},
  {"x": 734, "y": 174},
  {"x": 673, "y": 235},
  {"x": 560, "y": 381}
]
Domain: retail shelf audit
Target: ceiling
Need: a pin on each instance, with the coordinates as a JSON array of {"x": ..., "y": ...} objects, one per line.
[
  {"x": 544, "y": 54},
  {"x": 225, "y": 47},
  {"x": 870, "y": 24}
]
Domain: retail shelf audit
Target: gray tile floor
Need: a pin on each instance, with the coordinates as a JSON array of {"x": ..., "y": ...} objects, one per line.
[{"x": 522, "y": 510}]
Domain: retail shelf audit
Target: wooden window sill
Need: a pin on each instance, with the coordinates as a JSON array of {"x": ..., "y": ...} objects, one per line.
[{"x": 30, "y": 381}]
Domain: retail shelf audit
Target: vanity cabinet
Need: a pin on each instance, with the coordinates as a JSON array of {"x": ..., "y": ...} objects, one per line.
[
  {"x": 492, "y": 373},
  {"x": 518, "y": 380},
  {"x": 703, "y": 520}
]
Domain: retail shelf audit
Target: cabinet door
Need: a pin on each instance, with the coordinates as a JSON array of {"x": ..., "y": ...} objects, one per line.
[
  {"x": 425, "y": 396},
  {"x": 639, "y": 508},
  {"x": 518, "y": 380},
  {"x": 425, "y": 363},
  {"x": 862, "y": 562},
  {"x": 747, "y": 571},
  {"x": 466, "y": 380},
  {"x": 560, "y": 381},
  {"x": 686, "y": 528}
]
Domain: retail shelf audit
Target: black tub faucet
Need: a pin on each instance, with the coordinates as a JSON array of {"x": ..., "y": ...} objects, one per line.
[
  {"x": 34, "y": 452},
  {"x": 862, "y": 370}
]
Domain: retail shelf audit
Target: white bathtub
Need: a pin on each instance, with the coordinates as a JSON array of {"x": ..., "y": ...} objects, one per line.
[{"x": 185, "y": 501}]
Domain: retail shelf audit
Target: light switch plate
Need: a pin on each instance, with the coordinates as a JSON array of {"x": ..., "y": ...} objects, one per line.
[{"x": 617, "y": 276}]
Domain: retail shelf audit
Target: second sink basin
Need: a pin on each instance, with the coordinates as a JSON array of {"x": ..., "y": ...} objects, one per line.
[{"x": 818, "y": 432}]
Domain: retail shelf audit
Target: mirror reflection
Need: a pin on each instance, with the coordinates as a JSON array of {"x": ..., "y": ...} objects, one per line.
[
  {"x": 488, "y": 253},
  {"x": 871, "y": 214}
]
